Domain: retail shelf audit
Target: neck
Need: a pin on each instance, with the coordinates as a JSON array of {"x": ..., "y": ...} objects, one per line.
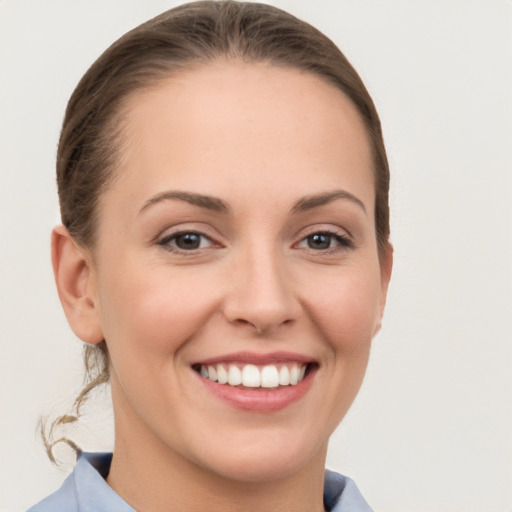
[
  {"x": 173, "y": 485},
  {"x": 151, "y": 477}
]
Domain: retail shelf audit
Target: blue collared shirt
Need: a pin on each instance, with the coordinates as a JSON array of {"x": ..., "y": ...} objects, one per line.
[{"x": 85, "y": 490}]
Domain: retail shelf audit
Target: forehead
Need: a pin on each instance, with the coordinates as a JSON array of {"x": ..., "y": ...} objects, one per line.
[{"x": 230, "y": 118}]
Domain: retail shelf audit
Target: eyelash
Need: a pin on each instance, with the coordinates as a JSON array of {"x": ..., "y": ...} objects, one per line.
[
  {"x": 342, "y": 242},
  {"x": 166, "y": 241}
]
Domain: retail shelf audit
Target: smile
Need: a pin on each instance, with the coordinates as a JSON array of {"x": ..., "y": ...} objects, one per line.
[
  {"x": 254, "y": 376},
  {"x": 257, "y": 382}
]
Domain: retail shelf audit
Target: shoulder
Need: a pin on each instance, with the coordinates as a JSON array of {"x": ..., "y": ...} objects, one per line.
[
  {"x": 63, "y": 500},
  {"x": 85, "y": 489},
  {"x": 342, "y": 495}
]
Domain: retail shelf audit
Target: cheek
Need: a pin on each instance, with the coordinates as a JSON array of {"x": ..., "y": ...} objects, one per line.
[
  {"x": 346, "y": 309},
  {"x": 153, "y": 312}
]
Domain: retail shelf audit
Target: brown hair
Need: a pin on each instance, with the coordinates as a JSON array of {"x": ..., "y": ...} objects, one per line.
[{"x": 178, "y": 39}]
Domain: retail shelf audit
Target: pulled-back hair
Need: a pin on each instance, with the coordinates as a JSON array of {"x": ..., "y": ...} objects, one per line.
[{"x": 182, "y": 38}]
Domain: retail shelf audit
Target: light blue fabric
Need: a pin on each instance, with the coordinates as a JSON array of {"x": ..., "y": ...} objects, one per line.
[{"x": 85, "y": 490}]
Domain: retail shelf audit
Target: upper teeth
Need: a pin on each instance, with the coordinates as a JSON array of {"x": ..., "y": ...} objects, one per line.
[{"x": 253, "y": 376}]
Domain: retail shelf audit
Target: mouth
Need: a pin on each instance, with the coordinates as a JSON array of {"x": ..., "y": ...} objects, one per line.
[
  {"x": 255, "y": 382},
  {"x": 254, "y": 376}
]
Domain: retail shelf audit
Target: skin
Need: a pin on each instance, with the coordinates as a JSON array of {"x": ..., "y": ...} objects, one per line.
[{"x": 259, "y": 138}]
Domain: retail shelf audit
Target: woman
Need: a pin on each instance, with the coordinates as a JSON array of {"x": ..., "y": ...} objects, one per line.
[{"x": 224, "y": 254}]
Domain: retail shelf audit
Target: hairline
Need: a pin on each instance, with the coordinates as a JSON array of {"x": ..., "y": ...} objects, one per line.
[{"x": 118, "y": 124}]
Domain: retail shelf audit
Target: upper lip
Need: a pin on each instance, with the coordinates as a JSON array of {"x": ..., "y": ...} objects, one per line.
[{"x": 257, "y": 358}]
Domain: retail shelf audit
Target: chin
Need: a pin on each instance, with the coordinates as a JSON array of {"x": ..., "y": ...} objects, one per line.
[{"x": 265, "y": 459}]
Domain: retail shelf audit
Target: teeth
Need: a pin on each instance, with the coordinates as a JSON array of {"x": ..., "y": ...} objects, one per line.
[
  {"x": 234, "y": 375},
  {"x": 222, "y": 374},
  {"x": 284, "y": 376},
  {"x": 252, "y": 376},
  {"x": 270, "y": 377},
  {"x": 212, "y": 373},
  {"x": 294, "y": 375}
]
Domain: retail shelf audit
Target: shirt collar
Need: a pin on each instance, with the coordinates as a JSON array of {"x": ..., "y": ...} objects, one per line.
[
  {"x": 95, "y": 495},
  {"x": 92, "y": 491}
]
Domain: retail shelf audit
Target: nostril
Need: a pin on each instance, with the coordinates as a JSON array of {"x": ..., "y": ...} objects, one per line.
[{"x": 262, "y": 328}]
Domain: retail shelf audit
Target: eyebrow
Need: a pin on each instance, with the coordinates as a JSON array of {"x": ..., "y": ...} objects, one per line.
[
  {"x": 316, "y": 200},
  {"x": 217, "y": 205},
  {"x": 208, "y": 202}
]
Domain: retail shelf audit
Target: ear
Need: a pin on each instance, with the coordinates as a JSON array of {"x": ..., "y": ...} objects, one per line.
[
  {"x": 75, "y": 279},
  {"x": 386, "y": 267}
]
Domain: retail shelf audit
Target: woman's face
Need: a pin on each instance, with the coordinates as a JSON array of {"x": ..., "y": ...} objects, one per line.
[{"x": 238, "y": 242}]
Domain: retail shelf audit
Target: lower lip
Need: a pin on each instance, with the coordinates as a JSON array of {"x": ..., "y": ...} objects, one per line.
[{"x": 260, "y": 400}]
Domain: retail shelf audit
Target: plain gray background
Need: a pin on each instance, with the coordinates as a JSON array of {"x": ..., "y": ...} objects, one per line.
[{"x": 432, "y": 428}]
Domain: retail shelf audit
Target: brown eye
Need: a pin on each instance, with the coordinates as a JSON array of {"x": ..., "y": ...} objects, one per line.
[{"x": 186, "y": 241}]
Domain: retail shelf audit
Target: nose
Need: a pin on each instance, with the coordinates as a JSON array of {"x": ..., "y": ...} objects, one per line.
[{"x": 261, "y": 294}]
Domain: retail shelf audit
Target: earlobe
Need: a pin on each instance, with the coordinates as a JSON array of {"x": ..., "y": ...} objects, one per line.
[{"x": 75, "y": 280}]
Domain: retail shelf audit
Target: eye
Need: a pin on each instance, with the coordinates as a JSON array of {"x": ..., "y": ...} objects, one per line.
[
  {"x": 186, "y": 241},
  {"x": 325, "y": 241}
]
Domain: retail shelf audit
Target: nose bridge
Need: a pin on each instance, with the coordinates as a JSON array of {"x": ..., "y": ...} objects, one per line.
[{"x": 261, "y": 294}]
